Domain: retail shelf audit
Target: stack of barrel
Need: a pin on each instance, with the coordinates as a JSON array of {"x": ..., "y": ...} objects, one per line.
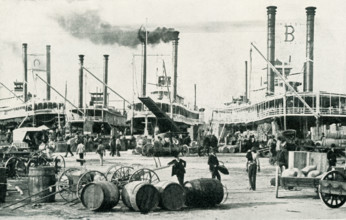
[
  {"x": 334, "y": 134},
  {"x": 144, "y": 197}
]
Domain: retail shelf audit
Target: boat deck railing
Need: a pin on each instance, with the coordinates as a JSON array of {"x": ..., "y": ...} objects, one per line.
[{"x": 246, "y": 115}]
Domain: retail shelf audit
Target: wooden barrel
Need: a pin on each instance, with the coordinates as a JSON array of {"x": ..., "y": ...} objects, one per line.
[
  {"x": 172, "y": 196},
  {"x": 99, "y": 196},
  {"x": 140, "y": 196},
  {"x": 223, "y": 149},
  {"x": 3, "y": 184},
  {"x": 40, "y": 179},
  {"x": 203, "y": 192}
]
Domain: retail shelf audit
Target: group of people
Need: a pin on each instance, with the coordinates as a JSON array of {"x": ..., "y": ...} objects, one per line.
[
  {"x": 206, "y": 141},
  {"x": 82, "y": 144}
]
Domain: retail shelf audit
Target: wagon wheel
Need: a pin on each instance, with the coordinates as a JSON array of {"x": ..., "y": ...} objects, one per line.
[
  {"x": 15, "y": 167},
  {"x": 121, "y": 176},
  {"x": 332, "y": 200},
  {"x": 59, "y": 163},
  {"x": 67, "y": 183},
  {"x": 89, "y": 177},
  {"x": 111, "y": 170},
  {"x": 145, "y": 175}
]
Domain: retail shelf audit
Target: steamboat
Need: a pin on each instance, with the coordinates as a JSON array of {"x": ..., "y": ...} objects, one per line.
[{"x": 283, "y": 104}]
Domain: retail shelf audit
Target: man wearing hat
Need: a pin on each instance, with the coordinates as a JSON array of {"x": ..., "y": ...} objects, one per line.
[
  {"x": 213, "y": 163},
  {"x": 178, "y": 168}
]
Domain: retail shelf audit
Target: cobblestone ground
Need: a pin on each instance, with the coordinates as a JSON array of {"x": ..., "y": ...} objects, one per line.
[{"x": 241, "y": 203}]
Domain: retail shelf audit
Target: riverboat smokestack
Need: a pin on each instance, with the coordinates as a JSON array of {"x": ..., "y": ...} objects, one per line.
[
  {"x": 105, "y": 80},
  {"x": 271, "y": 12},
  {"x": 25, "y": 78},
  {"x": 144, "y": 74},
  {"x": 80, "y": 91},
  {"x": 48, "y": 71},
  {"x": 246, "y": 82},
  {"x": 195, "y": 100},
  {"x": 175, "y": 63},
  {"x": 308, "y": 83}
]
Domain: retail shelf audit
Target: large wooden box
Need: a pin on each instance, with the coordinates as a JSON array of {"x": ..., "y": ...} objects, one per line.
[{"x": 301, "y": 159}]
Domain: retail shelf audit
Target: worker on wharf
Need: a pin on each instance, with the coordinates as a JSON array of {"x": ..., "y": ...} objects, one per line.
[
  {"x": 213, "y": 163},
  {"x": 178, "y": 168}
]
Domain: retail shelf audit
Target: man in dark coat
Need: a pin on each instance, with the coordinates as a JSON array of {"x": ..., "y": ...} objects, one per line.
[
  {"x": 178, "y": 168},
  {"x": 112, "y": 146},
  {"x": 206, "y": 144},
  {"x": 213, "y": 163},
  {"x": 213, "y": 141}
]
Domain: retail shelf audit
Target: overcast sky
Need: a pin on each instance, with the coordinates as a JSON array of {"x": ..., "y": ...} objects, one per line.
[{"x": 215, "y": 39}]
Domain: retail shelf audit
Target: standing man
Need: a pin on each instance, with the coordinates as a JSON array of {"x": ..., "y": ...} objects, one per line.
[
  {"x": 101, "y": 150},
  {"x": 112, "y": 146},
  {"x": 118, "y": 146},
  {"x": 81, "y": 152},
  {"x": 252, "y": 165},
  {"x": 282, "y": 156},
  {"x": 331, "y": 156},
  {"x": 178, "y": 168},
  {"x": 213, "y": 163}
]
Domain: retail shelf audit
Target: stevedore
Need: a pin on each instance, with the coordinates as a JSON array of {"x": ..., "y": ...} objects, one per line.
[
  {"x": 81, "y": 152},
  {"x": 331, "y": 156},
  {"x": 252, "y": 165},
  {"x": 178, "y": 168},
  {"x": 213, "y": 163},
  {"x": 101, "y": 150}
]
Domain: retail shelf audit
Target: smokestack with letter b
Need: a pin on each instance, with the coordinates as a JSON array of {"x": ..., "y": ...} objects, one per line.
[
  {"x": 271, "y": 12},
  {"x": 309, "y": 71}
]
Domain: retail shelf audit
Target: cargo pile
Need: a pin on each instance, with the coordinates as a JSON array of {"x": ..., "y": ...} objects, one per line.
[{"x": 308, "y": 171}]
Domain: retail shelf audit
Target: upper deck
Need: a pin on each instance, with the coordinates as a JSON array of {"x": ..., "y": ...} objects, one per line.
[{"x": 322, "y": 103}]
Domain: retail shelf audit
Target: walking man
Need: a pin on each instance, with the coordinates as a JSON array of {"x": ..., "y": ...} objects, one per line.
[
  {"x": 252, "y": 165},
  {"x": 68, "y": 147},
  {"x": 178, "y": 168},
  {"x": 213, "y": 163}
]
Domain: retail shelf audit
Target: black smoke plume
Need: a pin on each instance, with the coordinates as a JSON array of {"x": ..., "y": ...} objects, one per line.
[{"x": 89, "y": 25}]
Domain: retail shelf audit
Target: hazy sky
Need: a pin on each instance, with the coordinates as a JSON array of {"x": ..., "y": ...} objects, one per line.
[{"x": 215, "y": 39}]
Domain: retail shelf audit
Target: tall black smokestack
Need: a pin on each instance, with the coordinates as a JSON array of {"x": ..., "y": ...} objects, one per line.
[
  {"x": 48, "y": 70},
  {"x": 271, "y": 12},
  {"x": 25, "y": 78},
  {"x": 80, "y": 91},
  {"x": 175, "y": 63},
  {"x": 246, "y": 82},
  {"x": 105, "y": 80},
  {"x": 309, "y": 73},
  {"x": 144, "y": 74}
]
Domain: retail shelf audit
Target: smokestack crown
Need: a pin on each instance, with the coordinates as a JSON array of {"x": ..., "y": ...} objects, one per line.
[
  {"x": 106, "y": 56},
  {"x": 310, "y": 10},
  {"x": 271, "y": 9}
]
